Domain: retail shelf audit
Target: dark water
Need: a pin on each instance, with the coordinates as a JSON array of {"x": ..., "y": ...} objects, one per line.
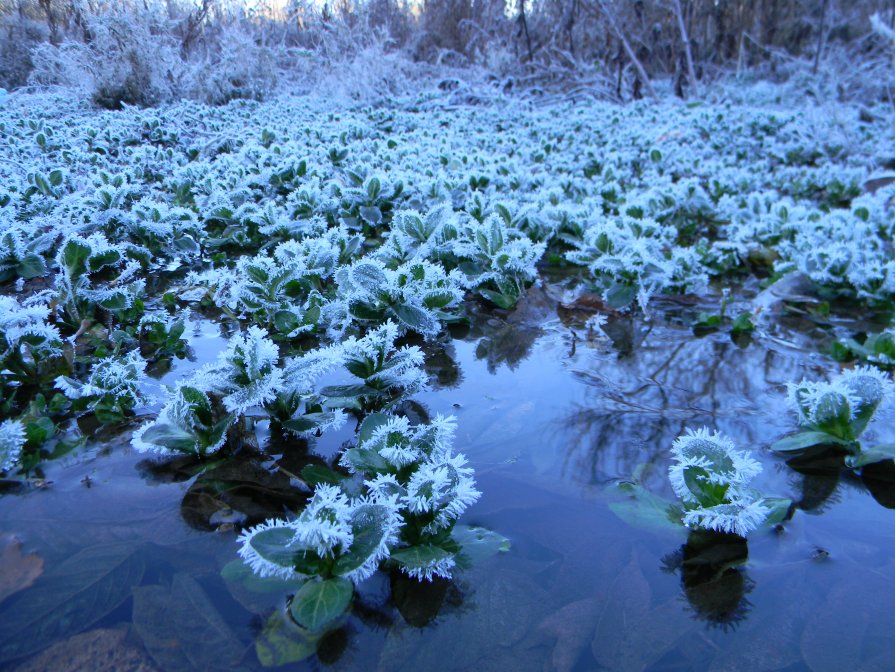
[{"x": 550, "y": 419}]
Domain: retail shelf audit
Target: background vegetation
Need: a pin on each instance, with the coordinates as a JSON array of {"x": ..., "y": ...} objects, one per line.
[{"x": 145, "y": 52}]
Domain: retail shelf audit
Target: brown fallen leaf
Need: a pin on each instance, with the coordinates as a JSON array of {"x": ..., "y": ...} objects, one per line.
[
  {"x": 590, "y": 302},
  {"x": 17, "y": 571}
]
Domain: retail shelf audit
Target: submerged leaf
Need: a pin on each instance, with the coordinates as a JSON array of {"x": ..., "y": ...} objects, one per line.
[
  {"x": 282, "y": 642},
  {"x": 68, "y": 599},
  {"x": 477, "y": 544},
  {"x": 17, "y": 571},
  {"x": 181, "y": 628},
  {"x": 645, "y": 510}
]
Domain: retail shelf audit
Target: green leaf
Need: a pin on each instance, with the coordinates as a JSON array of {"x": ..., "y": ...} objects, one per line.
[
  {"x": 362, "y": 367},
  {"x": 416, "y": 318},
  {"x": 500, "y": 300},
  {"x": 645, "y": 510},
  {"x": 707, "y": 321},
  {"x": 307, "y": 422},
  {"x": 365, "y": 311},
  {"x": 374, "y": 186},
  {"x": 68, "y": 599},
  {"x": 618, "y": 296},
  {"x": 347, "y": 395},
  {"x": 478, "y": 544},
  {"x": 370, "y": 424},
  {"x": 74, "y": 255},
  {"x": 419, "y": 557},
  {"x": 369, "y": 527},
  {"x": 879, "y": 453},
  {"x": 41, "y": 183},
  {"x": 779, "y": 510},
  {"x": 117, "y": 301},
  {"x": 438, "y": 299},
  {"x": 366, "y": 460},
  {"x": 803, "y": 440},
  {"x": 369, "y": 276},
  {"x": 743, "y": 324},
  {"x": 170, "y": 437},
  {"x": 186, "y": 244},
  {"x": 314, "y": 474},
  {"x": 274, "y": 545},
  {"x": 282, "y": 642},
  {"x": 286, "y": 321},
  {"x": 39, "y": 430},
  {"x": 105, "y": 258},
  {"x": 318, "y": 603},
  {"x": 108, "y": 416},
  {"x": 371, "y": 215},
  {"x": 31, "y": 266},
  {"x": 236, "y": 571}
]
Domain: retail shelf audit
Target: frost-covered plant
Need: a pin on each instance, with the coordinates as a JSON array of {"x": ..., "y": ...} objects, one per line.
[
  {"x": 387, "y": 374},
  {"x": 12, "y": 440},
  {"x": 162, "y": 228},
  {"x": 320, "y": 541},
  {"x": 27, "y": 341},
  {"x": 22, "y": 250},
  {"x": 877, "y": 349},
  {"x": 246, "y": 374},
  {"x": 282, "y": 292},
  {"x": 499, "y": 262},
  {"x": 189, "y": 422},
  {"x": 335, "y": 542},
  {"x": 843, "y": 254},
  {"x": 416, "y": 236},
  {"x": 300, "y": 407},
  {"x": 366, "y": 202},
  {"x": 161, "y": 335},
  {"x": 712, "y": 480},
  {"x": 419, "y": 295},
  {"x": 83, "y": 282},
  {"x": 413, "y": 491},
  {"x": 247, "y": 377},
  {"x": 634, "y": 258},
  {"x": 112, "y": 389},
  {"x": 416, "y": 466},
  {"x": 837, "y": 412}
]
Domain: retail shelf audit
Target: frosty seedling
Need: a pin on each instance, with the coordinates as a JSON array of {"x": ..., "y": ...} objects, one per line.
[
  {"x": 712, "y": 479},
  {"x": 837, "y": 412}
]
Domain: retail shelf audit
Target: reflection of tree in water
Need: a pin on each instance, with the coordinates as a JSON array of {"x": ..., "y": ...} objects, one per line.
[
  {"x": 506, "y": 344},
  {"x": 641, "y": 401},
  {"x": 712, "y": 578},
  {"x": 441, "y": 365},
  {"x": 507, "y": 338}
]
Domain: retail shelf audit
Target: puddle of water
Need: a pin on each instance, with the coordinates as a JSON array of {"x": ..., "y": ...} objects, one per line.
[{"x": 549, "y": 419}]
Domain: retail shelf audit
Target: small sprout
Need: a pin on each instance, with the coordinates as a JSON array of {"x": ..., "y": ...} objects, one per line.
[
  {"x": 843, "y": 407},
  {"x": 712, "y": 479}
]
